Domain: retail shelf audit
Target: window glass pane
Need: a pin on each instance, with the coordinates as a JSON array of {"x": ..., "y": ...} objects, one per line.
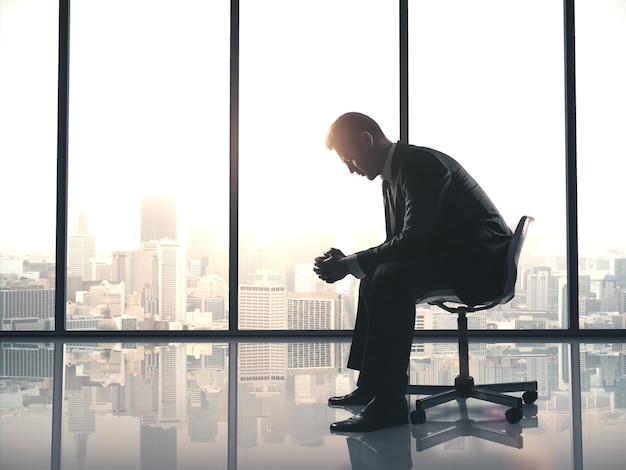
[
  {"x": 28, "y": 152},
  {"x": 601, "y": 119},
  {"x": 302, "y": 66},
  {"x": 486, "y": 88},
  {"x": 148, "y": 165}
]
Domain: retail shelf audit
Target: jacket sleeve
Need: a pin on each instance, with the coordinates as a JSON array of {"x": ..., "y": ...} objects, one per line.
[{"x": 422, "y": 183}]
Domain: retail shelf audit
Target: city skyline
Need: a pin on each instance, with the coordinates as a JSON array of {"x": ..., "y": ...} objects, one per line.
[{"x": 149, "y": 290}]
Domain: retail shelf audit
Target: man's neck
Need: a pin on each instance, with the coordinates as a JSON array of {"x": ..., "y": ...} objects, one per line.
[{"x": 386, "y": 170}]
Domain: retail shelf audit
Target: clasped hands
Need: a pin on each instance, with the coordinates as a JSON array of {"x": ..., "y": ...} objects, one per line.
[{"x": 331, "y": 266}]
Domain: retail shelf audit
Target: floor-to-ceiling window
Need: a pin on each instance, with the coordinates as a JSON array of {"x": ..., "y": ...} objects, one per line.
[
  {"x": 148, "y": 165},
  {"x": 302, "y": 65},
  {"x": 489, "y": 94},
  {"x": 28, "y": 133},
  {"x": 601, "y": 119}
]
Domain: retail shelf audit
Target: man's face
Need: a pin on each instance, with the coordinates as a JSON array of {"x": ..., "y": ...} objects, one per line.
[{"x": 359, "y": 157}]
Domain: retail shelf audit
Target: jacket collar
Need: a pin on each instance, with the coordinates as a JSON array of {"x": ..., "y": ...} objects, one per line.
[{"x": 386, "y": 174}]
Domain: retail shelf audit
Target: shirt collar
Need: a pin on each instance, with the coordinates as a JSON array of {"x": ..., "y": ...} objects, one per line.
[{"x": 386, "y": 174}]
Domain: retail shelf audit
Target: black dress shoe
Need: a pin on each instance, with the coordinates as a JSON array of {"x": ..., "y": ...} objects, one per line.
[
  {"x": 378, "y": 414},
  {"x": 357, "y": 397}
]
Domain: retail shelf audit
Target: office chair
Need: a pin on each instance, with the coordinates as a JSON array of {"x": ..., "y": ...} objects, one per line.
[{"x": 464, "y": 384}]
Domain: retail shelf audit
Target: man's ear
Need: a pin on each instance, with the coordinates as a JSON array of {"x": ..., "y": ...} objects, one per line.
[{"x": 366, "y": 139}]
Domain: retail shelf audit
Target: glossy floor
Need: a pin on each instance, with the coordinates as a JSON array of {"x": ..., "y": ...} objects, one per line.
[{"x": 243, "y": 405}]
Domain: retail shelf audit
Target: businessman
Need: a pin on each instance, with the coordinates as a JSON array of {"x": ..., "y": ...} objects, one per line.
[{"x": 442, "y": 232}]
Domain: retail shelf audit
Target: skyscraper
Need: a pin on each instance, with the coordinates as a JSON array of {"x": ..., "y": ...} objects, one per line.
[
  {"x": 620, "y": 273},
  {"x": 313, "y": 311},
  {"x": 81, "y": 246},
  {"x": 30, "y": 301},
  {"x": 137, "y": 269},
  {"x": 262, "y": 302},
  {"x": 158, "y": 217},
  {"x": 538, "y": 283},
  {"x": 172, "y": 281}
]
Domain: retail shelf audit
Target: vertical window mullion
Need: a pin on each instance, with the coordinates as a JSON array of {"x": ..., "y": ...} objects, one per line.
[
  {"x": 404, "y": 69},
  {"x": 233, "y": 246},
  {"x": 62, "y": 139},
  {"x": 570, "y": 165}
]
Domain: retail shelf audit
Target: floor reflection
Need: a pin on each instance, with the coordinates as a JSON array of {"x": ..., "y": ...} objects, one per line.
[{"x": 187, "y": 405}]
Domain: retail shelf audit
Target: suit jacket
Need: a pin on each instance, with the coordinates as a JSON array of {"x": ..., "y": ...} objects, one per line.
[{"x": 434, "y": 208}]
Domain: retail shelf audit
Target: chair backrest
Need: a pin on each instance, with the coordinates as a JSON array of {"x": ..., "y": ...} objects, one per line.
[
  {"x": 512, "y": 258},
  {"x": 440, "y": 298}
]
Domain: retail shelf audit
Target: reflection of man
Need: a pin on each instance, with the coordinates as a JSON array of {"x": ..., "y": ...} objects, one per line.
[{"x": 442, "y": 232}]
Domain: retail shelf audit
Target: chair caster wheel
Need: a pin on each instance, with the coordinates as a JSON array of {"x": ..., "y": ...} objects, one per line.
[
  {"x": 418, "y": 417},
  {"x": 529, "y": 397},
  {"x": 514, "y": 415}
]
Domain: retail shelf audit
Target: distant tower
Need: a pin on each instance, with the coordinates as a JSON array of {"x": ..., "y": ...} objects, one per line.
[
  {"x": 313, "y": 311},
  {"x": 263, "y": 302},
  {"x": 620, "y": 273},
  {"x": 538, "y": 283},
  {"x": 172, "y": 281},
  {"x": 608, "y": 299},
  {"x": 81, "y": 246},
  {"x": 137, "y": 269},
  {"x": 158, "y": 217}
]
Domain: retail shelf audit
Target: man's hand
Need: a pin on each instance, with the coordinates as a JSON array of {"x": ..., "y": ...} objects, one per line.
[{"x": 331, "y": 266}]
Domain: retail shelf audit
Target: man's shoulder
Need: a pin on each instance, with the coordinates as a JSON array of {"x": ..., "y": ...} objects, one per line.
[{"x": 410, "y": 157}]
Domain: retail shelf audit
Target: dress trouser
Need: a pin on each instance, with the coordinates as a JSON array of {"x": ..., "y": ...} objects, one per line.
[{"x": 383, "y": 332}]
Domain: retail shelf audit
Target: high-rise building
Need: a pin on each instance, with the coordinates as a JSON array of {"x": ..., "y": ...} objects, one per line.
[
  {"x": 538, "y": 283},
  {"x": 314, "y": 311},
  {"x": 100, "y": 269},
  {"x": 30, "y": 301},
  {"x": 262, "y": 302},
  {"x": 608, "y": 294},
  {"x": 137, "y": 269},
  {"x": 81, "y": 246},
  {"x": 158, "y": 217},
  {"x": 620, "y": 273},
  {"x": 621, "y": 300},
  {"x": 172, "y": 281},
  {"x": 584, "y": 284}
]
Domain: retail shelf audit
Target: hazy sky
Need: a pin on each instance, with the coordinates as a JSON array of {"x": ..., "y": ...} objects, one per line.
[{"x": 149, "y": 103}]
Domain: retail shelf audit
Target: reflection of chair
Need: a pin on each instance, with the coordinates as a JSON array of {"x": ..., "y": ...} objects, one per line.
[
  {"x": 433, "y": 433},
  {"x": 464, "y": 384}
]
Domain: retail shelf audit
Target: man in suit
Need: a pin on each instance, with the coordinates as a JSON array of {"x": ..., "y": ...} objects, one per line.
[{"x": 442, "y": 232}]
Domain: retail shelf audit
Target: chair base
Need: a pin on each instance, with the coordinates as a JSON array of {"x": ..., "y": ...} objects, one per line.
[
  {"x": 464, "y": 387},
  {"x": 502, "y": 432}
]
